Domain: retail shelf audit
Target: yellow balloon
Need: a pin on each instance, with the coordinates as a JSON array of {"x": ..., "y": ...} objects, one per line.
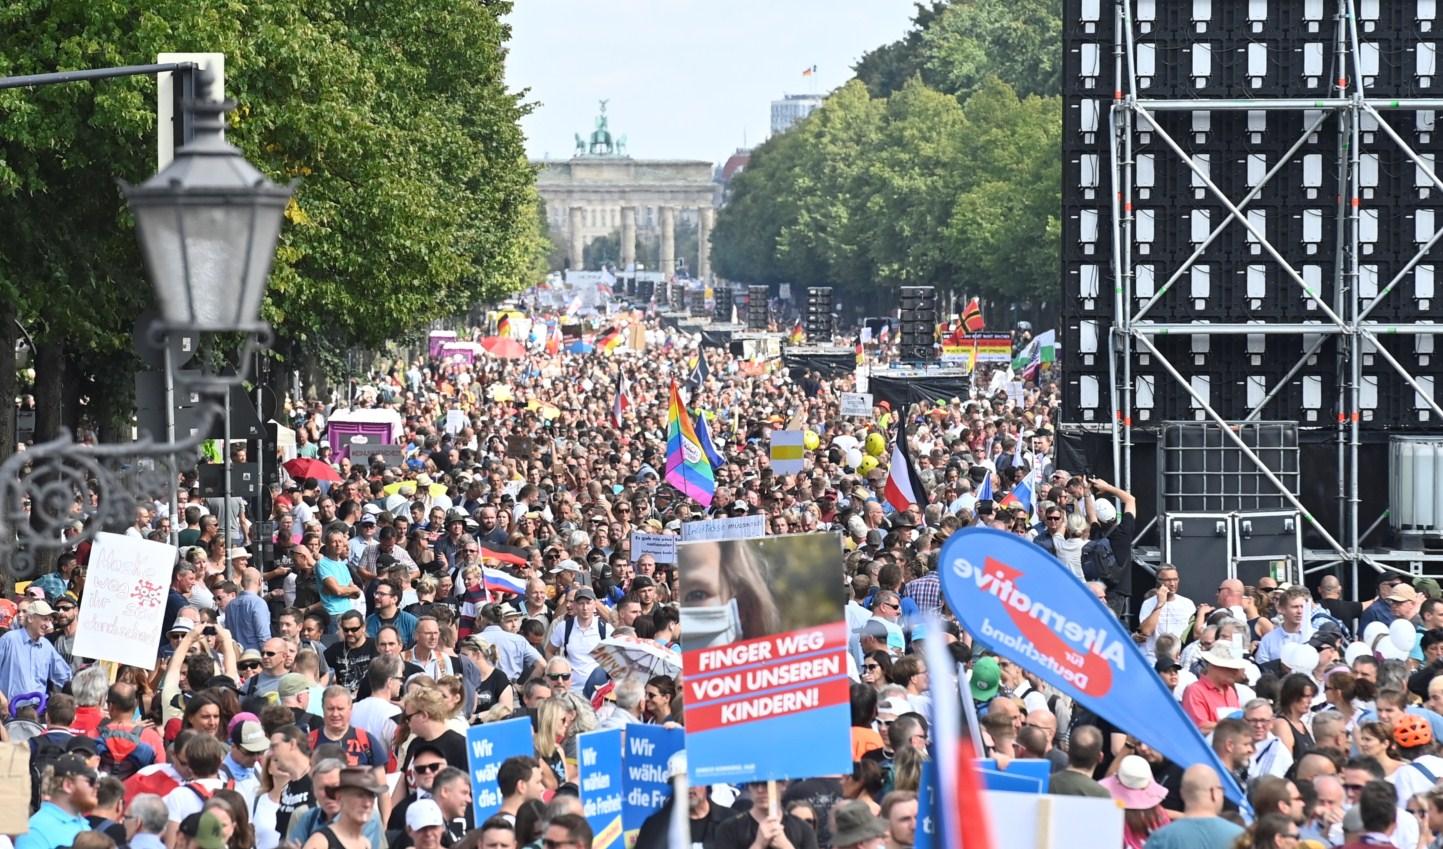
[
  {"x": 810, "y": 440},
  {"x": 868, "y": 464},
  {"x": 876, "y": 444}
]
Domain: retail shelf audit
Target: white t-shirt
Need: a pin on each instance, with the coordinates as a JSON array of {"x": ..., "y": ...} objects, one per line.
[
  {"x": 578, "y": 651},
  {"x": 376, "y": 715},
  {"x": 1172, "y": 620},
  {"x": 1411, "y": 781},
  {"x": 185, "y": 800}
]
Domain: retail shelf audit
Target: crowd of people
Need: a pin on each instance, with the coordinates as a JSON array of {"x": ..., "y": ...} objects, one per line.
[{"x": 314, "y": 684}]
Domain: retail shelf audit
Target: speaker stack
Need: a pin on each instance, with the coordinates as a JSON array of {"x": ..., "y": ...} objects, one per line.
[
  {"x": 721, "y": 296},
  {"x": 919, "y": 324},
  {"x": 645, "y": 289},
  {"x": 819, "y": 321},
  {"x": 696, "y": 302},
  {"x": 757, "y": 307}
]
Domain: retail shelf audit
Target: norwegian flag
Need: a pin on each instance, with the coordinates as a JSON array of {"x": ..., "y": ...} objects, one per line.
[
  {"x": 623, "y": 399},
  {"x": 904, "y": 487}
]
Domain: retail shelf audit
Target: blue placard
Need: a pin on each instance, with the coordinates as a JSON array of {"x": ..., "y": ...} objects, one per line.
[
  {"x": 598, "y": 755},
  {"x": 648, "y": 749},
  {"x": 487, "y": 746},
  {"x": 925, "y": 836},
  {"x": 1022, "y": 775}
]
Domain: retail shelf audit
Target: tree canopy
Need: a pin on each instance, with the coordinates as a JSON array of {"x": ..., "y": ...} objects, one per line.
[{"x": 937, "y": 165}]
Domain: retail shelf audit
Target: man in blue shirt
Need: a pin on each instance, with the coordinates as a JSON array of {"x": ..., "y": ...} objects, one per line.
[
  {"x": 29, "y": 663},
  {"x": 247, "y": 617},
  {"x": 333, "y": 574},
  {"x": 62, "y": 816}
]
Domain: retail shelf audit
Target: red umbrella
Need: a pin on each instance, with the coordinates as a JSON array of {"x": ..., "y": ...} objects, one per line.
[
  {"x": 503, "y": 347},
  {"x": 305, "y": 467}
]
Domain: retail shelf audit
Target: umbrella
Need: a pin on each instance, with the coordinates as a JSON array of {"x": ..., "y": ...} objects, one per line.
[
  {"x": 306, "y": 467},
  {"x": 580, "y": 347},
  {"x": 395, "y": 488},
  {"x": 624, "y": 657},
  {"x": 503, "y": 347}
]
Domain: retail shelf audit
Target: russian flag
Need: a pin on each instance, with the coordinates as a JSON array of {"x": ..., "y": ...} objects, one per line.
[
  {"x": 1020, "y": 496},
  {"x": 904, "y": 487},
  {"x": 498, "y": 581}
]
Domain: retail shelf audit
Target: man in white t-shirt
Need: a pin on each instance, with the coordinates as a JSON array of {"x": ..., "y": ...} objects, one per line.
[
  {"x": 574, "y": 640},
  {"x": 203, "y": 754},
  {"x": 1166, "y": 612}
]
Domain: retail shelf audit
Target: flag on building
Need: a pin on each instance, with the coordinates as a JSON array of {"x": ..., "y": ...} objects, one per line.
[
  {"x": 687, "y": 467},
  {"x": 807, "y": 72},
  {"x": 703, "y": 435},
  {"x": 623, "y": 399},
  {"x": 972, "y": 317},
  {"x": 904, "y": 487},
  {"x": 798, "y": 335}
]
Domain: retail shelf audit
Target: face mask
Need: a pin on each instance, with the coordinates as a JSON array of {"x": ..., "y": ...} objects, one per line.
[{"x": 704, "y": 627}]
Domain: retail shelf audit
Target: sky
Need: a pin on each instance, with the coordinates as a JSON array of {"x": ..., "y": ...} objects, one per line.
[{"x": 685, "y": 79}]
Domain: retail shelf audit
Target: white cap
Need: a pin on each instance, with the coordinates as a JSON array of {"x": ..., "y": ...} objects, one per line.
[
  {"x": 423, "y": 813},
  {"x": 1105, "y": 511}
]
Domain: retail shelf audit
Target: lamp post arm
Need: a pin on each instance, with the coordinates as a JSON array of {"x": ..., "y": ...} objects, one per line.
[{"x": 59, "y": 77}]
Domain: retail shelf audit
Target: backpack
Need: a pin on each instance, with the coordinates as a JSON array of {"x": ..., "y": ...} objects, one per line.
[
  {"x": 122, "y": 751},
  {"x": 571, "y": 623},
  {"x": 201, "y": 791},
  {"x": 45, "y": 748},
  {"x": 1099, "y": 563},
  {"x": 1322, "y": 617}
]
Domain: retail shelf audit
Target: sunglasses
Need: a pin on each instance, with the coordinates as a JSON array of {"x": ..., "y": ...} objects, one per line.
[
  {"x": 269, "y": 653},
  {"x": 250, "y": 664},
  {"x": 64, "y": 608},
  {"x": 871, "y": 666},
  {"x": 354, "y": 630},
  {"x": 423, "y": 769},
  {"x": 565, "y": 676}
]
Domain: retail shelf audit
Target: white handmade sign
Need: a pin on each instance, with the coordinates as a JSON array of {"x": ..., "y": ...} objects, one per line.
[
  {"x": 739, "y": 527},
  {"x": 126, "y": 587},
  {"x": 660, "y": 546},
  {"x": 856, "y": 404}
]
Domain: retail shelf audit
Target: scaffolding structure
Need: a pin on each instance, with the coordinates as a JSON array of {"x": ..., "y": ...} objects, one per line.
[{"x": 1347, "y": 320}]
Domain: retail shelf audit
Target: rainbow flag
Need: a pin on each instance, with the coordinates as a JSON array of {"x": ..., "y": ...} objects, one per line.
[{"x": 687, "y": 467}]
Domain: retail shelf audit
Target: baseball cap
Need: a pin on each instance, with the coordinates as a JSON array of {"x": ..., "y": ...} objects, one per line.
[
  {"x": 424, "y": 813},
  {"x": 251, "y": 737},
  {"x": 585, "y": 593},
  {"x": 1167, "y": 664},
  {"x": 292, "y": 684},
  {"x": 368, "y": 519},
  {"x": 642, "y": 582},
  {"x": 986, "y": 679},
  {"x": 70, "y": 764},
  {"x": 567, "y": 565}
]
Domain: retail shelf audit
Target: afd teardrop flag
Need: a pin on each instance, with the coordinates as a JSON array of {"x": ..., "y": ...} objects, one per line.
[{"x": 1022, "y": 603}]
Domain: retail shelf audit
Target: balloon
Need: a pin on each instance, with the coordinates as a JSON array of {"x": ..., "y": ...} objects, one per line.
[
  {"x": 854, "y": 458},
  {"x": 1355, "y": 651},
  {"x": 810, "y": 440},
  {"x": 1390, "y": 651},
  {"x": 1403, "y": 634},
  {"x": 868, "y": 464},
  {"x": 1374, "y": 631},
  {"x": 442, "y": 501},
  {"x": 1300, "y": 657},
  {"x": 846, "y": 442},
  {"x": 876, "y": 444}
]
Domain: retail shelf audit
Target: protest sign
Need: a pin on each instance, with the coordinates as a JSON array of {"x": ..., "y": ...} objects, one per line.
[
  {"x": 974, "y": 349},
  {"x": 737, "y": 527},
  {"x": 1025, "y": 605},
  {"x": 660, "y": 546},
  {"x": 391, "y": 455},
  {"x": 126, "y": 586},
  {"x": 1021, "y": 775},
  {"x": 519, "y": 446},
  {"x": 488, "y": 746},
  {"x": 856, "y": 404},
  {"x": 1052, "y": 822},
  {"x": 787, "y": 452},
  {"x": 648, "y": 749},
  {"x": 598, "y": 755},
  {"x": 925, "y": 834},
  {"x": 763, "y": 658}
]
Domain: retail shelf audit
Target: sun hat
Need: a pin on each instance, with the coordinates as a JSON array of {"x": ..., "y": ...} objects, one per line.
[
  {"x": 357, "y": 778},
  {"x": 854, "y": 823},
  {"x": 1221, "y": 654},
  {"x": 292, "y": 684},
  {"x": 1133, "y": 785}
]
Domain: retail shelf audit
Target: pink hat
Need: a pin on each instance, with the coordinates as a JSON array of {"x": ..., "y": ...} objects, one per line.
[
  {"x": 238, "y": 719},
  {"x": 1133, "y": 786}
]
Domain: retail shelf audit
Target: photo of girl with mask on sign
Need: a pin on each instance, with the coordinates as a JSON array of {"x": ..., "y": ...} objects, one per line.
[{"x": 736, "y": 590}]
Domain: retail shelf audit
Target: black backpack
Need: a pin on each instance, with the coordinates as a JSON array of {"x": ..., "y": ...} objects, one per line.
[
  {"x": 1099, "y": 563},
  {"x": 45, "y": 749},
  {"x": 571, "y": 623}
]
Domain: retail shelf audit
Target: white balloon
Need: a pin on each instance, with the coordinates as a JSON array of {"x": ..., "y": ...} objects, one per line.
[
  {"x": 1303, "y": 658},
  {"x": 1355, "y": 651},
  {"x": 442, "y": 501},
  {"x": 1390, "y": 651},
  {"x": 846, "y": 442},
  {"x": 1374, "y": 631},
  {"x": 1403, "y": 635},
  {"x": 854, "y": 457}
]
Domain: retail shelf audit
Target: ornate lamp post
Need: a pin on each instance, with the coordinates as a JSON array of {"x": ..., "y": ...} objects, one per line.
[{"x": 207, "y": 225}]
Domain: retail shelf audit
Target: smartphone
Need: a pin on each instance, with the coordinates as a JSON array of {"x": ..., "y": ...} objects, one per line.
[{"x": 208, "y": 631}]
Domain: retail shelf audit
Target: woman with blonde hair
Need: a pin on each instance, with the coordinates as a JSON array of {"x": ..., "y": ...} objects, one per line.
[
  {"x": 554, "y": 720},
  {"x": 425, "y": 711},
  {"x": 494, "y": 692}
]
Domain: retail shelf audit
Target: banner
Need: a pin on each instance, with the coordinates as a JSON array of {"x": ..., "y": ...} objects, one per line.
[
  {"x": 660, "y": 546},
  {"x": 973, "y": 349},
  {"x": 1022, "y": 603},
  {"x": 1022, "y": 775},
  {"x": 488, "y": 746},
  {"x": 925, "y": 835},
  {"x": 126, "y": 586},
  {"x": 787, "y": 452},
  {"x": 764, "y": 645},
  {"x": 737, "y": 527},
  {"x": 648, "y": 749},
  {"x": 856, "y": 404},
  {"x": 598, "y": 755}
]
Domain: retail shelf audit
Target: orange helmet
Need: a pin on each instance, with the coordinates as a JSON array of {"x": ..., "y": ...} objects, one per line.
[{"x": 1410, "y": 731}]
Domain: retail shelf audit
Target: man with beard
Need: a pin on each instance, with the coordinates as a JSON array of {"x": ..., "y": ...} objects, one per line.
[
  {"x": 61, "y": 816},
  {"x": 64, "y": 623},
  {"x": 350, "y": 657},
  {"x": 388, "y": 642}
]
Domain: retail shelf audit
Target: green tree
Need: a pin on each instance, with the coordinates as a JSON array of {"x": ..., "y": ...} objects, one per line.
[
  {"x": 1017, "y": 41},
  {"x": 887, "y": 68}
]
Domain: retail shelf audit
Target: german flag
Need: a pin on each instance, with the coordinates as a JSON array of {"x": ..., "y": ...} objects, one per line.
[
  {"x": 503, "y": 554},
  {"x": 972, "y": 317},
  {"x": 503, "y": 326},
  {"x": 610, "y": 340},
  {"x": 798, "y": 335}
]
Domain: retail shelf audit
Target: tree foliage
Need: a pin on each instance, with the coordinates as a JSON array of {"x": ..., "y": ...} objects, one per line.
[
  {"x": 415, "y": 199},
  {"x": 947, "y": 177}
]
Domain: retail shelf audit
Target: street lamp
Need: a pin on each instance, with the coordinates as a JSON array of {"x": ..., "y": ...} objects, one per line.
[{"x": 207, "y": 225}]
